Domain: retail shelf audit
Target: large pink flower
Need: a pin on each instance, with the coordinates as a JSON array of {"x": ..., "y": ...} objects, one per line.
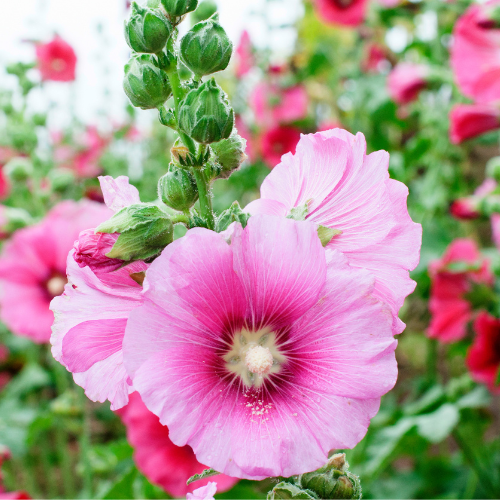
[
  {"x": 342, "y": 12},
  {"x": 160, "y": 460},
  {"x": 262, "y": 354},
  {"x": 406, "y": 80},
  {"x": 33, "y": 266},
  {"x": 475, "y": 54},
  {"x": 56, "y": 60},
  {"x": 452, "y": 277},
  {"x": 470, "y": 120},
  {"x": 91, "y": 315},
  {"x": 342, "y": 188},
  {"x": 274, "y": 105}
]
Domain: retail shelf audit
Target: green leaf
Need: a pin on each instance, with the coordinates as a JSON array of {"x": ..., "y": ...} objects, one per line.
[
  {"x": 326, "y": 234},
  {"x": 203, "y": 475},
  {"x": 477, "y": 398},
  {"x": 31, "y": 378},
  {"x": 438, "y": 425},
  {"x": 123, "y": 487}
]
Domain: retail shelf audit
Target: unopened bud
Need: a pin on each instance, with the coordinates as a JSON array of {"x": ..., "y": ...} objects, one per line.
[
  {"x": 177, "y": 189},
  {"x": 206, "y": 9},
  {"x": 146, "y": 86},
  {"x": 230, "y": 154},
  {"x": 205, "y": 115},
  {"x": 233, "y": 214},
  {"x": 178, "y": 8},
  {"x": 206, "y": 48},
  {"x": 18, "y": 169},
  {"x": 180, "y": 153},
  {"x": 144, "y": 231},
  {"x": 289, "y": 491},
  {"x": 61, "y": 179},
  {"x": 147, "y": 30}
]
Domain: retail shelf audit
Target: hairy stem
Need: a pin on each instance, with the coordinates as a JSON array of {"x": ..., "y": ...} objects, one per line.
[{"x": 205, "y": 197}]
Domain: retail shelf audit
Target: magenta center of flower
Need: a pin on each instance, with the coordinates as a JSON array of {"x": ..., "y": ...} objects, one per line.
[{"x": 254, "y": 356}]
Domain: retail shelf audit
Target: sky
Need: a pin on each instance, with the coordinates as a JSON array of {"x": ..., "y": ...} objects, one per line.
[{"x": 95, "y": 30}]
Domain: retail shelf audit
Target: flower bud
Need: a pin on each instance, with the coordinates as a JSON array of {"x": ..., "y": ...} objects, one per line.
[
  {"x": 290, "y": 491},
  {"x": 206, "y": 9},
  {"x": 178, "y": 8},
  {"x": 230, "y": 154},
  {"x": 18, "y": 169},
  {"x": 91, "y": 249},
  {"x": 233, "y": 214},
  {"x": 61, "y": 178},
  {"x": 146, "y": 86},
  {"x": 12, "y": 219},
  {"x": 147, "y": 30},
  {"x": 206, "y": 48},
  {"x": 205, "y": 115},
  {"x": 332, "y": 480},
  {"x": 177, "y": 189},
  {"x": 144, "y": 231}
]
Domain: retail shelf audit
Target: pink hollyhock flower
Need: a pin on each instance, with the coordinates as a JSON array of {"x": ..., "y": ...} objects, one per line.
[
  {"x": 475, "y": 55},
  {"x": 275, "y": 142},
  {"x": 33, "y": 266},
  {"x": 470, "y": 120},
  {"x": 483, "y": 357},
  {"x": 342, "y": 12},
  {"x": 375, "y": 56},
  {"x": 405, "y": 82},
  {"x": 56, "y": 60},
  {"x": 91, "y": 315},
  {"x": 468, "y": 208},
  {"x": 273, "y": 105},
  {"x": 335, "y": 184},
  {"x": 262, "y": 355},
  {"x": 452, "y": 278},
  {"x": 204, "y": 493},
  {"x": 245, "y": 60},
  {"x": 495, "y": 229},
  {"x": 91, "y": 249},
  {"x": 86, "y": 162},
  {"x": 160, "y": 460}
]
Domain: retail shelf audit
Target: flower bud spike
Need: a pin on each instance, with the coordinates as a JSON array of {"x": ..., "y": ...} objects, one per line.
[{"x": 179, "y": 8}]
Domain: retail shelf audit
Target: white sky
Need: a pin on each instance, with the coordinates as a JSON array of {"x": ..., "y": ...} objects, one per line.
[{"x": 101, "y": 56}]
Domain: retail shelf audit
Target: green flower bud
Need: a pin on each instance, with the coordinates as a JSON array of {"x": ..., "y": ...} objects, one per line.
[
  {"x": 61, "y": 178},
  {"x": 230, "y": 154},
  {"x": 332, "y": 480},
  {"x": 206, "y": 48},
  {"x": 144, "y": 231},
  {"x": 177, "y": 189},
  {"x": 146, "y": 86},
  {"x": 18, "y": 169},
  {"x": 233, "y": 214},
  {"x": 289, "y": 491},
  {"x": 205, "y": 115},
  {"x": 23, "y": 137},
  {"x": 147, "y": 30},
  {"x": 178, "y": 8},
  {"x": 206, "y": 9}
]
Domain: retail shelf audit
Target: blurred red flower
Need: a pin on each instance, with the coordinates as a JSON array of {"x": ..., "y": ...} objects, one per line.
[
  {"x": 405, "y": 82},
  {"x": 160, "y": 460},
  {"x": 342, "y": 12},
  {"x": 470, "y": 120},
  {"x": 276, "y": 142},
  {"x": 56, "y": 60},
  {"x": 483, "y": 358}
]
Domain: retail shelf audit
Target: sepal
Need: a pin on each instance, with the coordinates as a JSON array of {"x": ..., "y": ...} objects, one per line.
[{"x": 233, "y": 214}]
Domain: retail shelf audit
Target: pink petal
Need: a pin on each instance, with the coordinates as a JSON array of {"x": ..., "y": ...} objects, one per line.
[{"x": 118, "y": 193}]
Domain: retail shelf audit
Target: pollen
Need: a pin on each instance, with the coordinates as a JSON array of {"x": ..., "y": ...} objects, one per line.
[{"x": 259, "y": 360}]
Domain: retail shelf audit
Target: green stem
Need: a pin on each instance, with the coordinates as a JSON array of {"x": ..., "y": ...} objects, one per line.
[
  {"x": 205, "y": 197},
  {"x": 432, "y": 360},
  {"x": 85, "y": 438},
  {"x": 180, "y": 218},
  {"x": 486, "y": 483}
]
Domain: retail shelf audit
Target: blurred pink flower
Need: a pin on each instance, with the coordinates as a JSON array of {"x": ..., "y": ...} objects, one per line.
[
  {"x": 390, "y": 4},
  {"x": 495, "y": 229},
  {"x": 405, "y": 82},
  {"x": 244, "y": 57},
  {"x": 273, "y": 105},
  {"x": 342, "y": 12},
  {"x": 341, "y": 187},
  {"x": 204, "y": 493},
  {"x": 452, "y": 277},
  {"x": 91, "y": 315},
  {"x": 56, "y": 60},
  {"x": 475, "y": 54},
  {"x": 470, "y": 120},
  {"x": 160, "y": 460},
  {"x": 375, "y": 55},
  {"x": 277, "y": 141},
  {"x": 33, "y": 266},
  {"x": 483, "y": 357},
  {"x": 227, "y": 340},
  {"x": 468, "y": 207}
]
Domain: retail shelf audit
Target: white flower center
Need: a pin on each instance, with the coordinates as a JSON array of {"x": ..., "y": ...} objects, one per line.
[
  {"x": 55, "y": 285},
  {"x": 259, "y": 360},
  {"x": 254, "y": 356}
]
